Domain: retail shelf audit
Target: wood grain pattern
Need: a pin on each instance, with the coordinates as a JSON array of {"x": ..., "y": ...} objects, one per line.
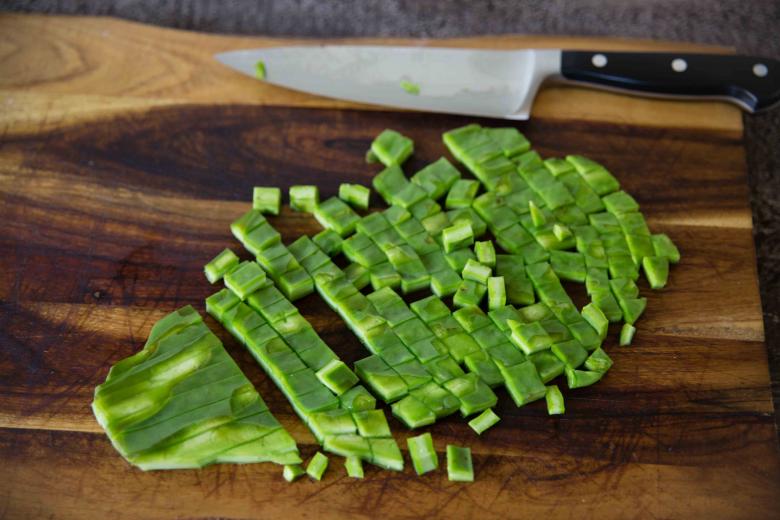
[{"x": 113, "y": 197}]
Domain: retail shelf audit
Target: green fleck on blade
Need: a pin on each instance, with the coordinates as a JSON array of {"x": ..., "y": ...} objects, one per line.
[
  {"x": 260, "y": 70},
  {"x": 411, "y": 88}
]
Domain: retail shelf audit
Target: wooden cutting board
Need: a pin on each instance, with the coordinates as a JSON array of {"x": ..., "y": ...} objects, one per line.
[{"x": 126, "y": 151}]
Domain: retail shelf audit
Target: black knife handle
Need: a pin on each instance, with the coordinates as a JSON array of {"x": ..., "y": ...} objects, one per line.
[{"x": 749, "y": 81}]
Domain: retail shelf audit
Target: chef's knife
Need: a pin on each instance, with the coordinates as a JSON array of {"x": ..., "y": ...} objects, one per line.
[{"x": 503, "y": 83}]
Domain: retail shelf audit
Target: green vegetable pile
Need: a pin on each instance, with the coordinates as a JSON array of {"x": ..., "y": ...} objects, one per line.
[{"x": 511, "y": 323}]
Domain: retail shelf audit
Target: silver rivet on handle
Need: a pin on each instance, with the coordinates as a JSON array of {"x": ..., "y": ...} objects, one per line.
[{"x": 599, "y": 60}]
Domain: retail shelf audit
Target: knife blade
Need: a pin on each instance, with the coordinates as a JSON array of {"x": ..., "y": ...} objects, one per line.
[{"x": 503, "y": 83}]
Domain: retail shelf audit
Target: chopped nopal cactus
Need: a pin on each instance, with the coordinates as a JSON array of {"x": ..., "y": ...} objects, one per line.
[
  {"x": 328, "y": 241},
  {"x": 620, "y": 202},
  {"x": 664, "y": 246},
  {"x": 632, "y": 308},
  {"x": 554, "y": 397},
  {"x": 437, "y": 178},
  {"x": 485, "y": 252},
  {"x": 439, "y": 400},
  {"x": 430, "y": 309},
  {"x": 596, "y": 318},
  {"x": 376, "y": 373},
  {"x": 561, "y": 232},
  {"x": 445, "y": 282},
  {"x": 538, "y": 211},
  {"x": 547, "y": 364},
  {"x": 462, "y": 194},
  {"x": 337, "y": 376},
  {"x": 568, "y": 265},
  {"x": 388, "y": 183},
  {"x": 537, "y": 216},
  {"x": 293, "y": 472},
  {"x": 496, "y": 292},
  {"x": 358, "y": 275},
  {"x": 657, "y": 270},
  {"x": 317, "y": 466},
  {"x": 386, "y": 454},
  {"x": 219, "y": 303},
  {"x": 355, "y": 195},
  {"x": 304, "y": 198},
  {"x": 458, "y": 258},
  {"x": 245, "y": 279},
  {"x": 371, "y": 423},
  {"x": 267, "y": 200},
  {"x": 627, "y": 334},
  {"x": 246, "y": 223},
  {"x": 598, "y": 361},
  {"x": 474, "y": 395},
  {"x": 529, "y": 337},
  {"x": 459, "y": 236},
  {"x": 483, "y": 421},
  {"x": 220, "y": 265},
  {"x": 471, "y": 318},
  {"x": 469, "y": 293},
  {"x": 357, "y": 399},
  {"x": 423, "y": 454},
  {"x": 354, "y": 466},
  {"x": 581, "y": 378},
  {"x": 335, "y": 214},
  {"x": 347, "y": 445},
  {"x": 459, "y": 465},
  {"x": 523, "y": 383},
  {"x": 510, "y": 140},
  {"x": 473, "y": 270},
  {"x": 383, "y": 275},
  {"x": 570, "y": 352},
  {"x": 597, "y": 177},
  {"x": 481, "y": 364},
  {"x": 392, "y": 148}
]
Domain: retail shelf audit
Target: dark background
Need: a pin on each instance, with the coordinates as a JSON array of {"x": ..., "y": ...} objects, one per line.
[{"x": 750, "y": 26}]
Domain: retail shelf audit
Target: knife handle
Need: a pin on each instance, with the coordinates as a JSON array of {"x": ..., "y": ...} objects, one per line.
[{"x": 751, "y": 82}]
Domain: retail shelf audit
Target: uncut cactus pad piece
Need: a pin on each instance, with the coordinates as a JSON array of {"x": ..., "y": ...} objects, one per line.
[{"x": 182, "y": 402}]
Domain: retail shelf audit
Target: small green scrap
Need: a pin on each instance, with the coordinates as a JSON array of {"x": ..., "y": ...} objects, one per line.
[
  {"x": 423, "y": 454},
  {"x": 317, "y": 466},
  {"x": 627, "y": 334},
  {"x": 260, "y": 70},
  {"x": 459, "y": 465},
  {"x": 355, "y": 195},
  {"x": 392, "y": 148},
  {"x": 354, "y": 466},
  {"x": 554, "y": 397},
  {"x": 304, "y": 198},
  {"x": 220, "y": 265},
  {"x": 483, "y": 421},
  {"x": 267, "y": 199},
  {"x": 411, "y": 88},
  {"x": 293, "y": 472}
]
